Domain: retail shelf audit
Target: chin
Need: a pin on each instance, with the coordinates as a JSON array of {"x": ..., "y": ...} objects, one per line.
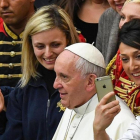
[
  {"x": 118, "y": 10},
  {"x": 66, "y": 105},
  {"x": 137, "y": 83},
  {"x": 49, "y": 67},
  {"x": 136, "y": 80},
  {"x": 63, "y": 103}
]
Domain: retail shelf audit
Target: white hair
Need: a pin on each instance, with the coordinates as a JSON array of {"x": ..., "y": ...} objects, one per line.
[{"x": 85, "y": 67}]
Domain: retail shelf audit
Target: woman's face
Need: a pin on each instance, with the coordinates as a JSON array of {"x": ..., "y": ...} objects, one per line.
[
  {"x": 130, "y": 11},
  {"x": 116, "y": 4},
  {"x": 48, "y": 45},
  {"x": 131, "y": 62}
]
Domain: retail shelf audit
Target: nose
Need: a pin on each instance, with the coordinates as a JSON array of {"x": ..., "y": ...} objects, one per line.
[
  {"x": 4, "y": 3},
  {"x": 48, "y": 51},
  {"x": 133, "y": 66},
  {"x": 57, "y": 83},
  {"x": 122, "y": 22}
]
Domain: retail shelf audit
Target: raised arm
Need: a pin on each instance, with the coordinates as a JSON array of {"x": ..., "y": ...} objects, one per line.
[
  {"x": 104, "y": 115},
  {"x": 13, "y": 128}
]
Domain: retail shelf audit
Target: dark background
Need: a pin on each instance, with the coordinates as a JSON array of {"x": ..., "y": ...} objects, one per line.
[{"x": 39, "y": 3}]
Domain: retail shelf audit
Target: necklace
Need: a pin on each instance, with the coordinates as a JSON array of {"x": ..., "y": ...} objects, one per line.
[{"x": 69, "y": 123}]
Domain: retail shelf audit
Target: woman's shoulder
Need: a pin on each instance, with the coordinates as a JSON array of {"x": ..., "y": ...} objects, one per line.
[{"x": 109, "y": 14}]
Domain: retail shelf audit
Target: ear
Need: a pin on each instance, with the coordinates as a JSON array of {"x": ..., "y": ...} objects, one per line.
[{"x": 91, "y": 82}]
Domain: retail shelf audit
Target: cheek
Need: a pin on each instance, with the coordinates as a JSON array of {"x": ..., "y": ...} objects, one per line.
[
  {"x": 37, "y": 53},
  {"x": 59, "y": 50},
  {"x": 126, "y": 68},
  {"x": 112, "y": 4},
  {"x": 120, "y": 24}
]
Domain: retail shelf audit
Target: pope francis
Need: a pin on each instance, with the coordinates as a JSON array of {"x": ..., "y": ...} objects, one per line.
[{"x": 76, "y": 69}]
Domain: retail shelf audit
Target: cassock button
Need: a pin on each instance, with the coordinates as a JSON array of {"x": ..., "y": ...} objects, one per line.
[{"x": 74, "y": 126}]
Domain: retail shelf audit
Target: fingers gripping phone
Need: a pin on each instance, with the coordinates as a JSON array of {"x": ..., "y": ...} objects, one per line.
[{"x": 104, "y": 86}]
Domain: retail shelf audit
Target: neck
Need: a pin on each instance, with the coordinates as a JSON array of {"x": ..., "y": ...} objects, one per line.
[{"x": 19, "y": 27}]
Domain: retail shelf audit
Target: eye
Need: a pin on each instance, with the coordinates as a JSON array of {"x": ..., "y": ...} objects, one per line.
[
  {"x": 124, "y": 59},
  {"x": 122, "y": 17},
  {"x": 39, "y": 46},
  {"x": 64, "y": 78},
  {"x": 55, "y": 45},
  {"x": 138, "y": 56}
]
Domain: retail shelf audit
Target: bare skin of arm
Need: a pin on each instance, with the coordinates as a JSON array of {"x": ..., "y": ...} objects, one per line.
[
  {"x": 104, "y": 115},
  {"x": 2, "y": 106}
]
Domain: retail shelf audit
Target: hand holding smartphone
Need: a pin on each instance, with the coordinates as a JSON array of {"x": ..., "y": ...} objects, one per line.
[{"x": 103, "y": 87}]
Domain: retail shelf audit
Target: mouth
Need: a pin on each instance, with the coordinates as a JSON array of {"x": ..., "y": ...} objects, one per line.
[
  {"x": 136, "y": 74},
  {"x": 119, "y": 6},
  {"x": 6, "y": 13},
  {"x": 49, "y": 61},
  {"x": 62, "y": 95}
]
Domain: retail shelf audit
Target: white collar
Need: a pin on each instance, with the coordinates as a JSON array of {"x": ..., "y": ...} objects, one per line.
[{"x": 91, "y": 104}]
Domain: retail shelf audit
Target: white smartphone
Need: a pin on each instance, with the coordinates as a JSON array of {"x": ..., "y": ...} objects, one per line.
[{"x": 103, "y": 86}]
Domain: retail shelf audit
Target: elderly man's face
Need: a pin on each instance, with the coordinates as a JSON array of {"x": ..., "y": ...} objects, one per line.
[
  {"x": 15, "y": 12},
  {"x": 71, "y": 86}
]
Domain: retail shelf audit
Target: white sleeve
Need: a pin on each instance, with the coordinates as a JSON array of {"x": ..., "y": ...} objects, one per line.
[{"x": 133, "y": 132}]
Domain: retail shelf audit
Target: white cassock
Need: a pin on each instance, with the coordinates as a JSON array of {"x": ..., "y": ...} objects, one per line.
[
  {"x": 133, "y": 132},
  {"x": 77, "y": 124}
]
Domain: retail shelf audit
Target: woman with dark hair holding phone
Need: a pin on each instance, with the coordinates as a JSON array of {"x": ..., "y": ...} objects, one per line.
[
  {"x": 124, "y": 85},
  {"x": 129, "y": 55}
]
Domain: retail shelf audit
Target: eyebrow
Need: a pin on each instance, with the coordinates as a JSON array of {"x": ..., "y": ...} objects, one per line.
[
  {"x": 135, "y": 52},
  {"x": 130, "y": 15},
  {"x": 37, "y": 43}
]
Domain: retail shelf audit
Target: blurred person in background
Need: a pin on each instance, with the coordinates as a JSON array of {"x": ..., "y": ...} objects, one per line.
[{"x": 85, "y": 15}]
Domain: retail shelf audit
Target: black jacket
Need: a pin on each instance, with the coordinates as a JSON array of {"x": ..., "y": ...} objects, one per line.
[{"x": 31, "y": 113}]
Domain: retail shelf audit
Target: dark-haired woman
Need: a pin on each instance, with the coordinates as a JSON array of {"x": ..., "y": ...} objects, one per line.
[
  {"x": 125, "y": 69},
  {"x": 85, "y": 15}
]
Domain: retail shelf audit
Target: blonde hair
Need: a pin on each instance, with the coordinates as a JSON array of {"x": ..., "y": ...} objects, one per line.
[{"x": 46, "y": 18}]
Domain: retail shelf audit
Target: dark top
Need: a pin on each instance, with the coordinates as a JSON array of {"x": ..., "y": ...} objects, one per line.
[
  {"x": 32, "y": 112},
  {"x": 88, "y": 30},
  {"x": 10, "y": 56}
]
